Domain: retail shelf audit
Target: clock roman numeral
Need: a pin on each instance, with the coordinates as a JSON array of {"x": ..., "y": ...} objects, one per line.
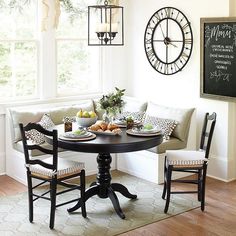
[
  {"x": 157, "y": 64},
  {"x": 184, "y": 55},
  {"x": 167, "y": 11},
  {"x": 177, "y": 15},
  {"x": 157, "y": 16},
  {"x": 150, "y": 54},
  {"x": 166, "y": 69},
  {"x": 149, "y": 29},
  {"x": 148, "y": 41},
  {"x": 186, "y": 25},
  {"x": 188, "y": 41},
  {"x": 174, "y": 67}
]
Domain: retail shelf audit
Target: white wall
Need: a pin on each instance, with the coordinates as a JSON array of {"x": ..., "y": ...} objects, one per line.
[{"x": 183, "y": 88}]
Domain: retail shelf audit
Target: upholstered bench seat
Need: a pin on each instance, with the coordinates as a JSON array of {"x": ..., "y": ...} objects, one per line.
[{"x": 171, "y": 144}]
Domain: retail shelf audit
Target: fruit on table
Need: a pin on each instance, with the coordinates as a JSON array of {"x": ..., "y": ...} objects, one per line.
[
  {"x": 86, "y": 114},
  {"x": 79, "y": 113},
  {"x": 92, "y": 114},
  {"x": 148, "y": 126},
  {"x": 79, "y": 132}
]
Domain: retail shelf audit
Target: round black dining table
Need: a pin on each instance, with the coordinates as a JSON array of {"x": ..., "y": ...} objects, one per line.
[{"x": 104, "y": 145}]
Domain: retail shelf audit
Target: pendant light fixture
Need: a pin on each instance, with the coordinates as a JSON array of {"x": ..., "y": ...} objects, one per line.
[{"x": 105, "y": 25}]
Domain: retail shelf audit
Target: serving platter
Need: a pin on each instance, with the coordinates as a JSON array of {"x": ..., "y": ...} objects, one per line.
[{"x": 104, "y": 133}]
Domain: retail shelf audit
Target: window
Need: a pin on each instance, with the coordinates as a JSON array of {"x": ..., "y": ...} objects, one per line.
[
  {"x": 48, "y": 64},
  {"x": 18, "y": 53},
  {"x": 78, "y": 65}
]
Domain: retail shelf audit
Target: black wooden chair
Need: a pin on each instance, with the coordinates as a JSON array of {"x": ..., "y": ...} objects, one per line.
[
  {"x": 190, "y": 161},
  {"x": 52, "y": 170}
]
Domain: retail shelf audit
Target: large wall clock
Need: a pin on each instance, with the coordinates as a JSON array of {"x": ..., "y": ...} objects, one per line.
[{"x": 168, "y": 40}]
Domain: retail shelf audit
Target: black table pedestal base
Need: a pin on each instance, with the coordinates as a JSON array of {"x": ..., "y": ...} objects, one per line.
[{"x": 103, "y": 187}]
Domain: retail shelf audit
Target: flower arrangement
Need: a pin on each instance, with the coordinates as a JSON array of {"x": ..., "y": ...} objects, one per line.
[{"x": 112, "y": 103}]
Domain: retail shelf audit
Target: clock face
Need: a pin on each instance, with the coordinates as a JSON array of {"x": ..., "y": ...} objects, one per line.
[{"x": 168, "y": 40}]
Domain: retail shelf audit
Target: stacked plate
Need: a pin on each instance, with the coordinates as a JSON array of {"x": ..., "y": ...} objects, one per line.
[
  {"x": 144, "y": 132},
  {"x": 77, "y": 135}
]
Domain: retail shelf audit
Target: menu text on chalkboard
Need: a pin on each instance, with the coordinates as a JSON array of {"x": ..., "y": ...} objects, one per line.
[{"x": 218, "y": 58}]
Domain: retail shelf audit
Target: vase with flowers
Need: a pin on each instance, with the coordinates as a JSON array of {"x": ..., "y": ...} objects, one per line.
[{"x": 112, "y": 104}]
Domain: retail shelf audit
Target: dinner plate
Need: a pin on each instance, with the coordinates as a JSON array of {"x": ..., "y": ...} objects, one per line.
[
  {"x": 90, "y": 137},
  {"x": 130, "y": 131},
  {"x": 146, "y": 131},
  {"x": 72, "y": 135}
]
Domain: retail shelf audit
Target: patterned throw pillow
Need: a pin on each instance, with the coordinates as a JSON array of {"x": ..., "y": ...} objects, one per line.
[
  {"x": 37, "y": 137},
  {"x": 137, "y": 116},
  {"x": 166, "y": 125}
]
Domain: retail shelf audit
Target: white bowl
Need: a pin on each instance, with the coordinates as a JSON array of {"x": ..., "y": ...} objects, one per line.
[{"x": 85, "y": 122}]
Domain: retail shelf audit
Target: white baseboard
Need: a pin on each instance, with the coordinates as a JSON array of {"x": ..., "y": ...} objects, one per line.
[
  {"x": 218, "y": 168},
  {"x": 223, "y": 180}
]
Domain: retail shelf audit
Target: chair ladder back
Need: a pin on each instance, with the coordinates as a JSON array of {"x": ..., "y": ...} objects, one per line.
[
  {"x": 206, "y": 136},
  {"x": 28, "y": 147}
]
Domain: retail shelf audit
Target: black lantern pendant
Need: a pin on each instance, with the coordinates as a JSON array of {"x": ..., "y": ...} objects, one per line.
[{"x": 105, "y": 25}]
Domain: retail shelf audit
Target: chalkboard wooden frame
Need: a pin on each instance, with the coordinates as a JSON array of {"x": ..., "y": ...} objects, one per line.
[{"x": 209, "y": 82}]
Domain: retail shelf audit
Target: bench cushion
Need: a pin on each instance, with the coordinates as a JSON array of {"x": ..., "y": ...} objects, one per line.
[{"x": 182, "y": 116}]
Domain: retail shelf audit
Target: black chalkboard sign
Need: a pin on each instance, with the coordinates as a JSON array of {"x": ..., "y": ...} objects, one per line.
[{"x": 218, "y": 58}]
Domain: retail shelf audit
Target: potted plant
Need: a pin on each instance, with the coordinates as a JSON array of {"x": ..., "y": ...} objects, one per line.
[{"x": 112, "y": 103}]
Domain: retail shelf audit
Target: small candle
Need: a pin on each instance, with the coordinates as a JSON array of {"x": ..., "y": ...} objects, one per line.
[
  {"x": 114, "y": 27},
  {"x": 101, "y": 27}
]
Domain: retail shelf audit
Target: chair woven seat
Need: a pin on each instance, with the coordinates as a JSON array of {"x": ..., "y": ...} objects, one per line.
[
  {"x": 65, "y": 168},
  {"x": 185, "y": 158}
]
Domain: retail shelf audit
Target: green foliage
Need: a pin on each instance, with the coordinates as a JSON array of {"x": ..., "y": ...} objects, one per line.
[
  {"x": 16, "y": 5},
  {"x": 112, "y": 102},
  {"x": 75, "y": 10}
]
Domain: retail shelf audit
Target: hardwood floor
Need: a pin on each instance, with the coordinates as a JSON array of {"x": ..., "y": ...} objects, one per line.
[{"x": 218, "y": 219}]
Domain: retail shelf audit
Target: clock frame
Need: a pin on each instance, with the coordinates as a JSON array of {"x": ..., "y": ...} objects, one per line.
[{"x": 168, "y": 40}]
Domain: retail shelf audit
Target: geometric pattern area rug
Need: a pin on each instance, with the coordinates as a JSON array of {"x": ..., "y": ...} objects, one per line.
[{"x": 101, "y": 219}]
